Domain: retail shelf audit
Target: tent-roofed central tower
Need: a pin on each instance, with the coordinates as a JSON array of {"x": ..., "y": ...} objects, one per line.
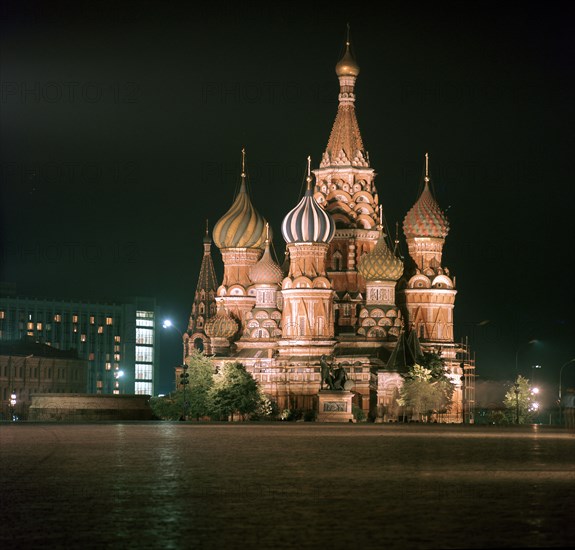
[{"x": 345, "y": 188}]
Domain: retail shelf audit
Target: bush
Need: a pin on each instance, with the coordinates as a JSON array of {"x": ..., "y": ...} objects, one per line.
[{"x": 358, "y": 414}]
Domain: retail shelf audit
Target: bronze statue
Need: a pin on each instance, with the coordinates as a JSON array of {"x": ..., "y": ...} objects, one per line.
[{"x": 333, "y": 380}]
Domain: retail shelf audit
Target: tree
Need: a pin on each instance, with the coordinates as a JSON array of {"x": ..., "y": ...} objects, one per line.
[
  {"x": 234, "y": 391},
  {"x": 519, "y": 402},
  {"x": 197, "y": 392},
  {"x": 427, "y": 388},
  {"x": 201, "y": 380}
]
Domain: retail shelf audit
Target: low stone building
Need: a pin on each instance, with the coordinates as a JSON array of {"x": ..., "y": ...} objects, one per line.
[{"x": 28, "y": 368}]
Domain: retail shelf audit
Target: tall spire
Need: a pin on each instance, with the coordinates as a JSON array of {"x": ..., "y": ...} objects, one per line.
[
  {"x": 345, "y": 146},
  {"x": 204, "y": 305}
]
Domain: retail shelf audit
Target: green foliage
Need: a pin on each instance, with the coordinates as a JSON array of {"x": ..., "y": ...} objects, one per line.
[
  {"x": 235, "y": 391},
  {"x": 168, "y": 407},
  {"x": 201, "y": 380},
  {"x": 266, "y": 410},
  {"x": 427, "y": 388},
  {"x": 358, "y": 413},
  {"x": 520, "y": 405}
]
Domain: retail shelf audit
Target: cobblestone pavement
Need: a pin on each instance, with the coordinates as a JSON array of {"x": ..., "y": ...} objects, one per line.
[{"x": 285, "y": 485}]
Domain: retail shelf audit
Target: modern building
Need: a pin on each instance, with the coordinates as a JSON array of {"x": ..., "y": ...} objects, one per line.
[
  {"x": 343, "y": 292},
  {"x": 118, "y": 340}
]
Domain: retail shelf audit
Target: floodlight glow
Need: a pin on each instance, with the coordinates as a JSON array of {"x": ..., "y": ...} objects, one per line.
[
  {"x": 167, "y": 323},
  {"x": 535, "y": 391}
]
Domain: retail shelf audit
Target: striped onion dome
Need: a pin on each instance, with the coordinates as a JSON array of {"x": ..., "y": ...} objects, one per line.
[
  {"x": 241, "y": 226},
  {"x": 222, "y": 325},
  {"x": 308, "y": 221},
  {"x": 425, "y": 219},
  {"x": 381, "y": 264},
  {"x": 266, "y": 271}
]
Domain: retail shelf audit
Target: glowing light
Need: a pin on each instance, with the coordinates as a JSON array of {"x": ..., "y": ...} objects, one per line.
[{"x": 167, "y": 323}]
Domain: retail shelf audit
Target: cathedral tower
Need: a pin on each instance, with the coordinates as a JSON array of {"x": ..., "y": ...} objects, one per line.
[
  {"x": 240, "y": 235},
  {"x": 307, "y": 321},
  {"x": 380, "y": 317},
  {"x": 345, "y": 188},
  {"x": 204, "y": 306},
  {"x": 428, "y": 292}
]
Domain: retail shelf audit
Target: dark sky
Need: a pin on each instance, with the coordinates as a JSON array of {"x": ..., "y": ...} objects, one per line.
[{"x": 122, "y": 129}]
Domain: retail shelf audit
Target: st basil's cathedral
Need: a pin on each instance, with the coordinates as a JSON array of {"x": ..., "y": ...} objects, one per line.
[{"x": 343, "y": 290}]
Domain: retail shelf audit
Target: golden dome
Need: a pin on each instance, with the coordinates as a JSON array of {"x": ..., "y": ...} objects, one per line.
[
  {"x": 347, "y": 65},
  {"x": 241, "y": 226},
  {"x": 380, "y": 264}
]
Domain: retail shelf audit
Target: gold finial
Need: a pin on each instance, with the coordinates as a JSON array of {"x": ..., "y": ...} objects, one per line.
[
  {"x": 207, "y": 228},
  {"x": 347, "y": 39},
  {"x": 267, "y": 232},
  {"x": 380, "y": 208},
  {"x": 426, "y": 167},
  {"x": 396, "y": 242},
  {"x": 308, "y": 179},
  {"x": 243, "y": 162}
]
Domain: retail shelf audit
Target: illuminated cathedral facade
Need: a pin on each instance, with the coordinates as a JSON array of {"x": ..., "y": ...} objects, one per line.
[{"x": 343, "y": 290}]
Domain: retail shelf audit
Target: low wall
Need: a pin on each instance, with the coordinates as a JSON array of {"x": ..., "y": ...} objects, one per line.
[{"x": 79, "y": 407}]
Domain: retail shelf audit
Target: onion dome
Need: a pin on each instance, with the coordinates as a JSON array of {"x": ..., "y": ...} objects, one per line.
[
  {"x": 222, "y": 325},
  {"x": 381, "y": 264},
  {"x": 347, "y": 66},
  {"x": 426, "y": 219},
  {"x": 308, "y": 222},
  {"x": 266, "y": 271},
  {"x": 241, "y": 226}
]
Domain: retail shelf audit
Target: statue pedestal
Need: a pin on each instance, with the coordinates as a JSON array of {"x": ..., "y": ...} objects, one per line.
[{"x": 334, "y": 406}]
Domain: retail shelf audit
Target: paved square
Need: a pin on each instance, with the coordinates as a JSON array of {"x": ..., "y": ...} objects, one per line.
[{"x": 285, "y": 485}]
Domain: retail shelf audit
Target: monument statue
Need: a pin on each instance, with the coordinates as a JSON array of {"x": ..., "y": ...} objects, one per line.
[{"x": 334, "y": 380}]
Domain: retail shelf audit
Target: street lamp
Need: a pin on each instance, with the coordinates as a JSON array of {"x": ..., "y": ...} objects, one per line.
[
  {"x": 168, "y": 324},
  {"x": 12, "y": 405},
  {"x": 184, "y": 381},
  {"x": 516, "y": 402}
]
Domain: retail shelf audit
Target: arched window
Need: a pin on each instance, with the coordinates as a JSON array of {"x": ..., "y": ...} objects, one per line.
[{"x": 336, "y": 261}]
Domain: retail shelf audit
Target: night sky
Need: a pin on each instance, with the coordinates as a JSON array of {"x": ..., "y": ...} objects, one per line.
[{"x": 122, "y": 129}]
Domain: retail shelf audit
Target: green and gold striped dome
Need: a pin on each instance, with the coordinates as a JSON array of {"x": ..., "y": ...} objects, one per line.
[{"x": 380, "y": 264}]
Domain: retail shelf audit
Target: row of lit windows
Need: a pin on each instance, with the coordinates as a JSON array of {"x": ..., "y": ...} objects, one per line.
[
  {"x": 143, "y": 388},
  {"x": 143, "y": 372}
]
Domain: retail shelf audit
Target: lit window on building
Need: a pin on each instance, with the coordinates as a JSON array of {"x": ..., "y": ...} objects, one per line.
[
  {"x": 108, "y": 320},
  {"x": 30, "y": 326},
  {"x": 143, "y": 372},
  {"x": 2, "y": 314},
  {"x": 100, "y": 329},
  {"x": 38, "y": 326},
  {"x": 58, "y": 318},
  {"x": 74, "y": 318},
  {"x": 83, "y": 338},
  {"x": 116, "y": 338},
  {"x": 92, "y": 320},
  {"x": 108, "y": 366},
  {"x": 143, "y": 388}
]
